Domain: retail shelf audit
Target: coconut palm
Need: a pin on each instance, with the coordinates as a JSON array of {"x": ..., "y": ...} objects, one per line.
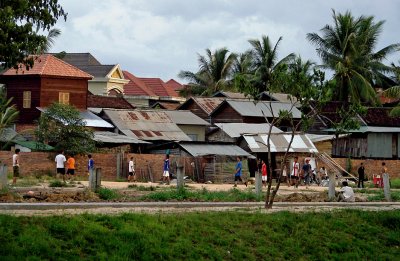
[
  {"x": 266, "y": 64},
  {"x": 347, "y": 48},
  {"x": 215, "y": 72},
  {"x": 394, "y": 91},
  {"x": 49, "y": 42}
]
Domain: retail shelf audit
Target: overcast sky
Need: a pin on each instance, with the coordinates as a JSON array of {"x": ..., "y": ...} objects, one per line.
[{"x": 159, "y": 38}]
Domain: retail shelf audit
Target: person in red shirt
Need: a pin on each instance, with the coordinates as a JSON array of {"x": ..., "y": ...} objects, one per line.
[{"x": 264, "y": 173}]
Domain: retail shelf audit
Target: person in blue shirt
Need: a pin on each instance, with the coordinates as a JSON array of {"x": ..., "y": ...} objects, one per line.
[
  {"x": 166, "y": 169},
  {"x": 238, "y": 171},
  {"x": 90, "y": 163}
]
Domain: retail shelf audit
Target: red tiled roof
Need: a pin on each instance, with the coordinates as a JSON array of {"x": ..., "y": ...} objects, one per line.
[
  {"x": 147, "y": 86},
  {"x": 166, "y": 105},
  {"x": 48, "y": 65},
  {"x": 159, "y": 87},
  {"x": 98, "y": 101},
  {"x": 135, "y": 86},
  {"x": 176, "y": 86}
]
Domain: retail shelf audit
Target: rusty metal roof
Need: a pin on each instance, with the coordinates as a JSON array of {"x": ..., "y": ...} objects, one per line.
[
  {"x": 146, "y": 124},
  {"x": 279, "y": 143},
  {"x": 208, "y": 105}
]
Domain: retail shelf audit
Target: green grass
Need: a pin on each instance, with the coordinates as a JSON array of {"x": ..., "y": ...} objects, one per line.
[
  {"x": 395, "y": 183},
  {"x": 202, "y": 195},
  {"x": 344, "y": 235},
  {"x": 107, "y": 194},
  {"x": 380, "y": 196}
]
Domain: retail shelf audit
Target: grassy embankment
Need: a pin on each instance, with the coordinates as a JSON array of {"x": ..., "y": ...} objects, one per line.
[{"x": 344, "y": 235}]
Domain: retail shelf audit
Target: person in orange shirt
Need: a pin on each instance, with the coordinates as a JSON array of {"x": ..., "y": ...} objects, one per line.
[{"x": 70, "y": 167}]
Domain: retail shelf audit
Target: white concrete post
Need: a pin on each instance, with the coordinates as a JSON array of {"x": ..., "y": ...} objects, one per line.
[
  {"x": 98, "y": 177},
  {"x": 3, "y": 176},
  {"x": 179, "y": 176},
  {"x": 92, "y": 179},
  {"x": 332, "y": 182},
  {"x": 386, "y": 187},
  {"x": 258, "y": 183}
]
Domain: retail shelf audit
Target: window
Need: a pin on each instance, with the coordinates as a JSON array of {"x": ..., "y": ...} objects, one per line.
[
  {"x": 63, "y": 97},
  {"x": 26, "y": 104}
]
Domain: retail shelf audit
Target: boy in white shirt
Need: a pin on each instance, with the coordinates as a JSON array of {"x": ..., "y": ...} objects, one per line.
[
  {"x": 131, "y": 171},
  {"x": 346, "y": 193}
]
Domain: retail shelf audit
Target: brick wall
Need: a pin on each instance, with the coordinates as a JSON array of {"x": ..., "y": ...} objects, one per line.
[
  {"x": 372, "y": 166},
  {"x": 148, "y": 166}
]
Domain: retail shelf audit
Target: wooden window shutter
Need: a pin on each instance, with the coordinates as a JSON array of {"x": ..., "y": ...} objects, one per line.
[
  {"x": 63, "y": 97},
  {"x": 26, "y": 103}
]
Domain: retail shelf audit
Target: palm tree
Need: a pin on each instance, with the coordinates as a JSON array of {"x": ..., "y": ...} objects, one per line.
[
  {"x": 347, "y": 48},
  {"x": 49, "y": 41},
  {"x": 215, "y": 72},
  {"x": 394, "y": 91},
  {"x": 266, "y": 64}
]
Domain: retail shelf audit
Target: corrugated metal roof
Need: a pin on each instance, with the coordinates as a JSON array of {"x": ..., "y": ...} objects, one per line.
[
  {"x": 235, "y": 130},
  {"x": 279, "y": 143},
  {"x": 111, "y": 137},
  {"x": 185, "y": 118},
  {"x": 208, "y": 104},
  {"x": 364, "y": 129},
  {"x": 270, "y": 109},
  {"x": 214, "y": 149},
  {"x": 91, "y": 119},
  {"x": 146, "y": 124}
]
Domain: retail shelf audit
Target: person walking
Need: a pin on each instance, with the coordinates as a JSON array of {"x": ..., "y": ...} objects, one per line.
[
  {"x": 131, "y": 171},
  {"x": 307, "y": 172},
  {"x": 166, "y": 169},
  {"x": 70, "y": 167},
  {"x": 15, "y": 160},
  {"x": 294, "y": 176},
  {"x": 361, "y": 176},
  {"x": 264, "y": 172},
  {"x": 60, "y": 161},
  {"x": 238, "y": 171}
]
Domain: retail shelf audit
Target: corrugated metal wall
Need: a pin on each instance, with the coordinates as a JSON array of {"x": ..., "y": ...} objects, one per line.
[{"x": 379, "y": 145}]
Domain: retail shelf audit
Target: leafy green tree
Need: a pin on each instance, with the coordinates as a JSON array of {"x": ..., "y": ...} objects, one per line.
[
  {"x": 348, "y": 48},
  {"x": 61, "y": 126},
  {"x": 21, "y": 22},
  {"x": 215, "y": 72}
]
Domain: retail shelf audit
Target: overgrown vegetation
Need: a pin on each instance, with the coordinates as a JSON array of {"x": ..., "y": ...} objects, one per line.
[
  {"x": 344, "y": 235},
  {"x": 107, "y": 194},
  {"x": 202, "y": 195},
  {"x": 57, "y": 183}
]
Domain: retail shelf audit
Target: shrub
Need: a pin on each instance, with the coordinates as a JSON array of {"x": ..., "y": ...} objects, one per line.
[
  {"x": 57, "y": 183},
  {"x": 107, "y": 194}
]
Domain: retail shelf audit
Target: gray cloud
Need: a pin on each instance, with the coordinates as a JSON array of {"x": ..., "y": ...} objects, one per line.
[{"x": 160, "y": 38}]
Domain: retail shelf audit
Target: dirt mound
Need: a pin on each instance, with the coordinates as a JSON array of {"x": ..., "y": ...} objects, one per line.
[
  {"x": 49, "y": 196},
  {"x": 303, "y": 197}
]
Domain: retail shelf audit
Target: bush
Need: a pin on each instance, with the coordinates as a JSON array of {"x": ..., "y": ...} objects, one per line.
[
  {"x": 57, "y": 183},
  {"x": 107, "y": 194}
]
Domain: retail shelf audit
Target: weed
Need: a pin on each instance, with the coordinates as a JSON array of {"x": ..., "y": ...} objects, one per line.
[
  {"x": 395, "y": 183},
  {"x": 57, "y": 183},
  {"x": 107, "y": 194},
  {"x": 142, "y": 188},
  {"x": 202, "y": 195},
  {"x": 380, "y": 196}
]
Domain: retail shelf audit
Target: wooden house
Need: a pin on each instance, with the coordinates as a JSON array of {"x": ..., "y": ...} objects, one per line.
[
  {"x": 241, "y": 111},
  {"x": 49, "y": 80},
  {"x": 201, "y": 106}
]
